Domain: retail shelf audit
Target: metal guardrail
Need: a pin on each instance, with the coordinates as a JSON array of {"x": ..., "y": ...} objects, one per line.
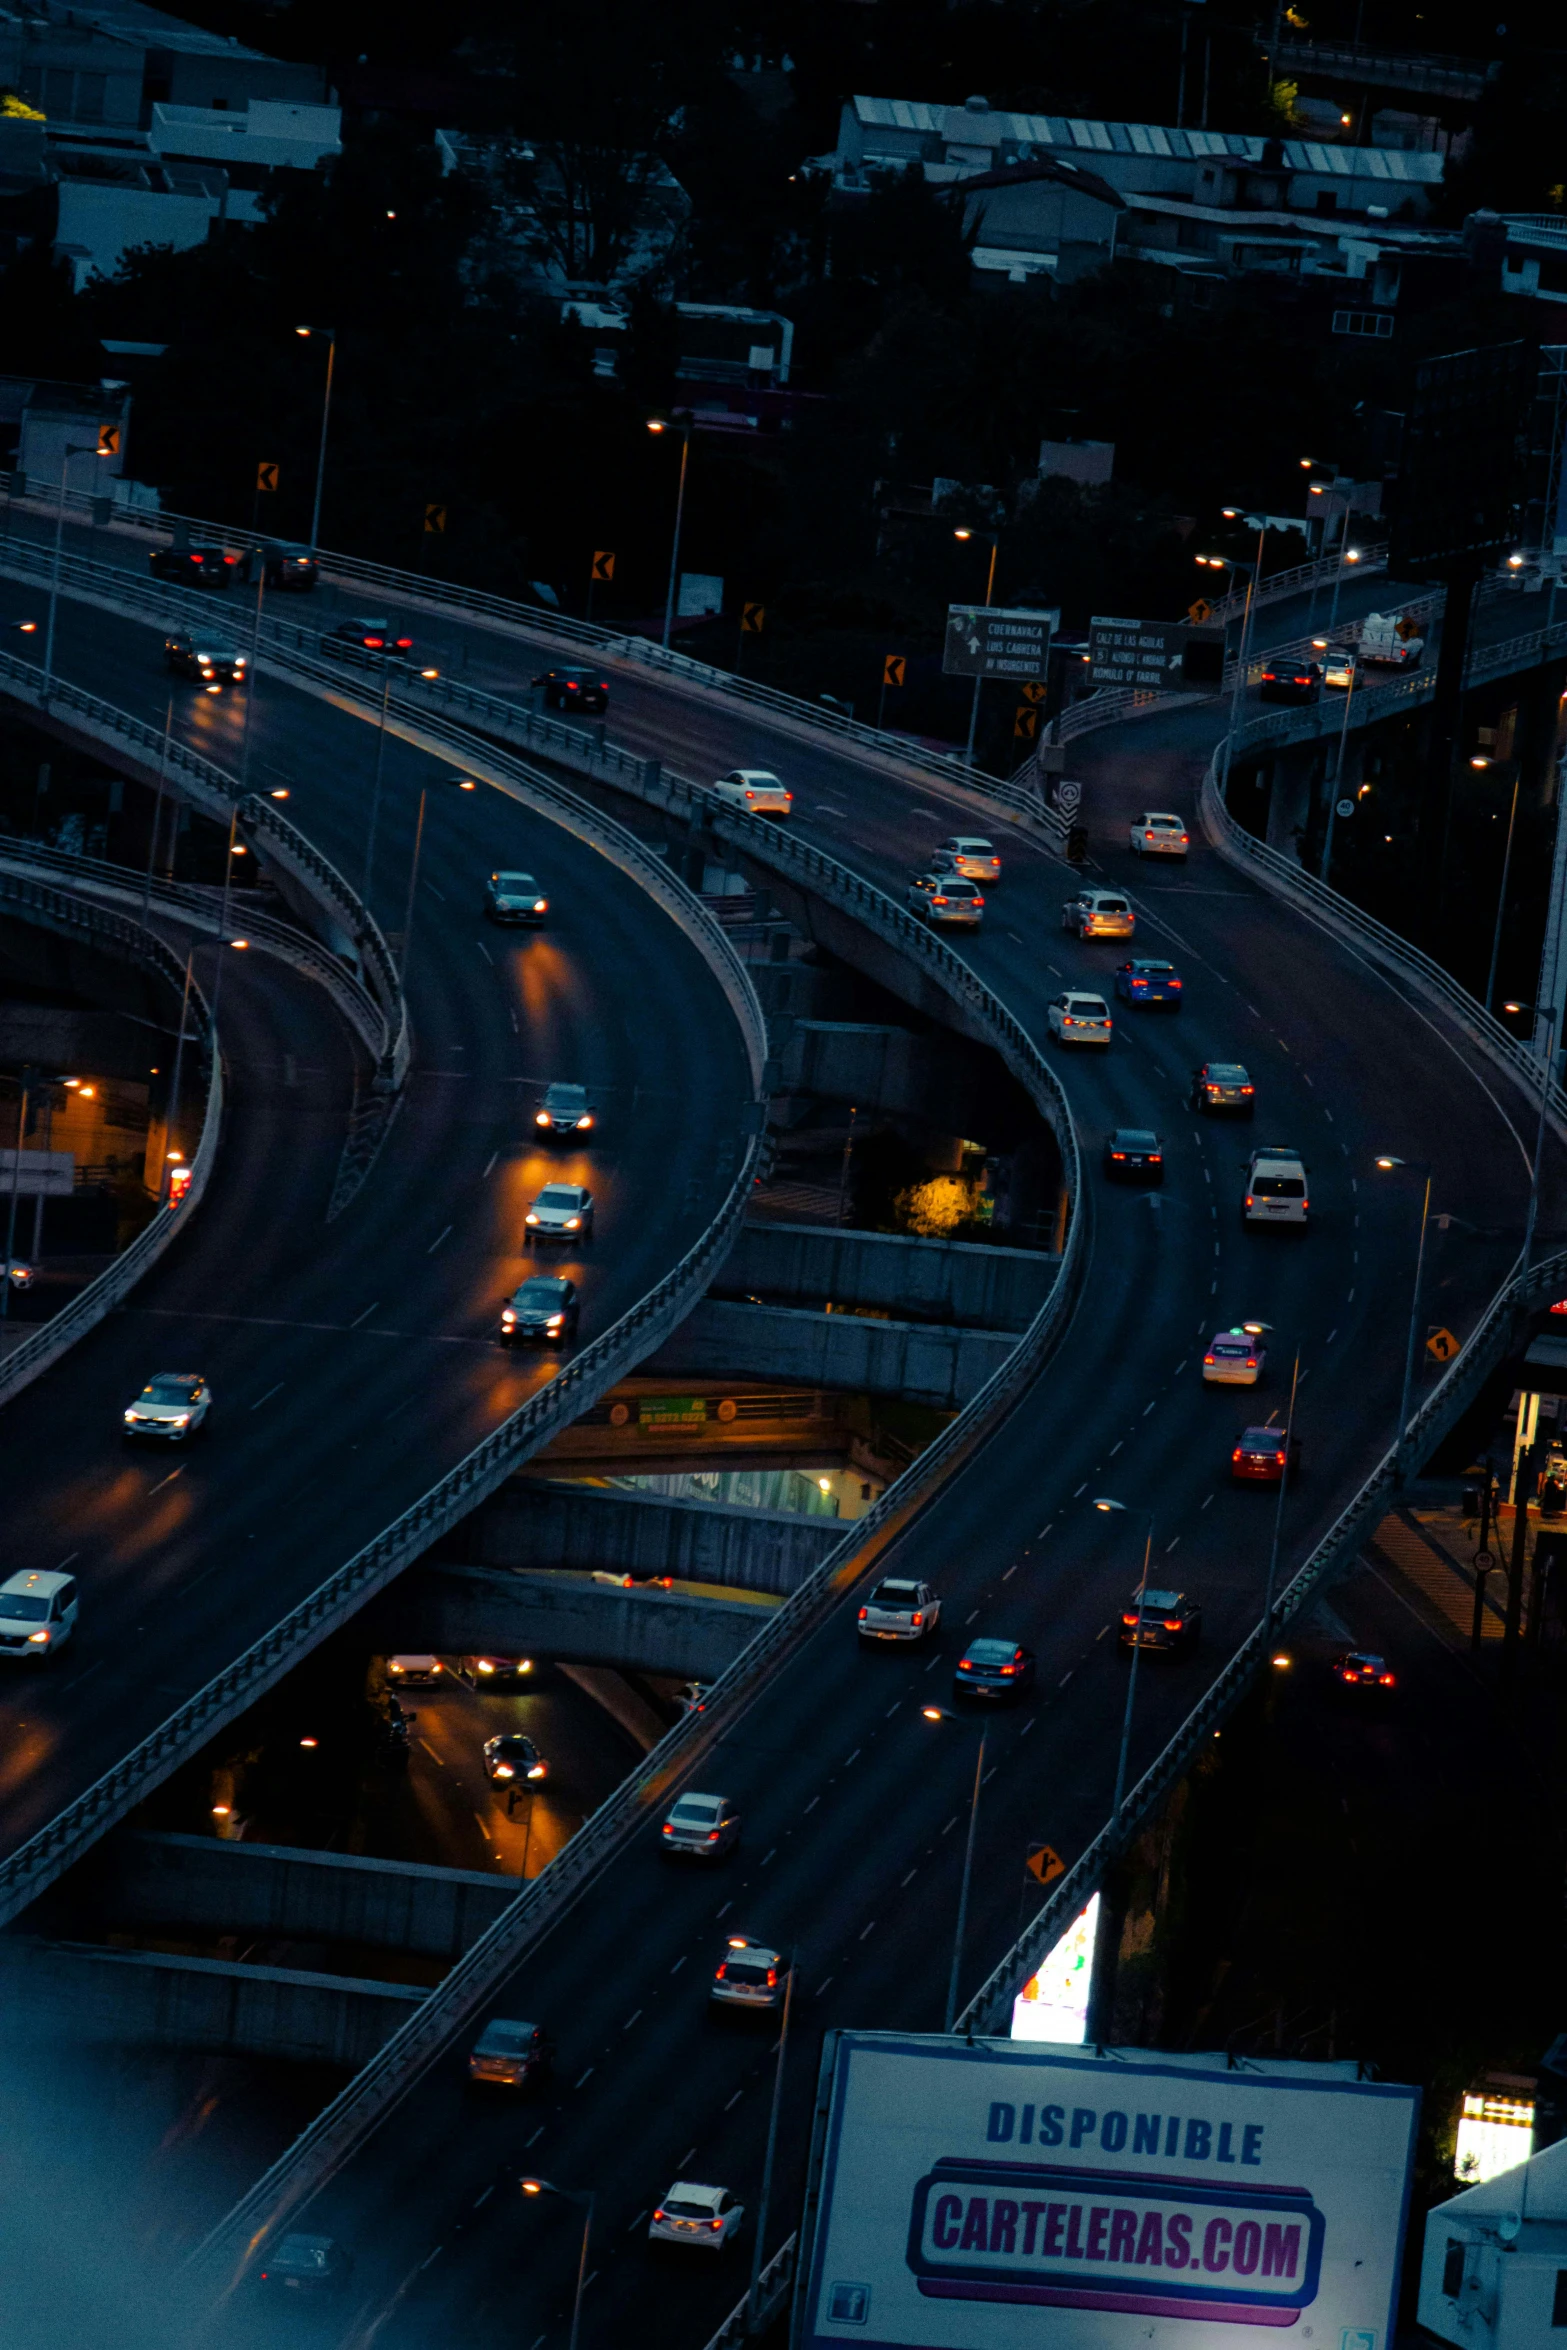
[
  {"x": 219, "y": 792},
  {"x": 58, "y": 910},
  {"x": 772, "y": 2291},
  {"x": 1486, "y": 1346},
  {"x": 333, "y": 2136}
]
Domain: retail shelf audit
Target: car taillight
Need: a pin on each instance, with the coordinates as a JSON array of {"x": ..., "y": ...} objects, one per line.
[
  {"x": 864, "y": 1613},
  {"x": 1005, "y": 1669},
  {"x": 668, "y": 1831},
  {"x": 772, "y": 1978},
  {"x": 375, "y": 643},
  {"x": 1387, "y": 1680},
  {"x": 715, "y": 2223},
  {"x": 1118, "y": 1154},
  {"x": 965, "y": 1666},
  {"x": 977, "y": 899},
  {"x": 712, "y": 1835},
  {"x": 1248, "y": 1089},
  {"x": 720, "y": 1972},
  {"x": 1239, "y": 1454},
  {"x": 1208, "y": 1358},
  {"x": 1251, "y": 1362},
  {"x": 1172, "y": 984},
  {"x": 1156, "y": 1158},
  {"x": 1172, "y": 1623},
  {"x": 1131, "y": 1619},
  {"x": 658, "y": 2215},
  {"x": 1249, "y": 1201},
  {"x": 918, "y": 1618},
  {"x": 405, "y": 644},
  {"x": 938, "y": 899}
]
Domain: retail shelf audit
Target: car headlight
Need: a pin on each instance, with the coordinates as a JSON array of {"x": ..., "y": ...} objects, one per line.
[
  {"x": 585, "y": 1121},
  {"x": 508, "y": 1315},
  {"x": 485, "y": 1665},
  {"x": 38, "y": 1639},
  {"x": 537, "y": 1772},
  {"x": 572, "y": 1223},
  {"x": 541, "y": 905},
  {"x": 530, "y": 1217},
  {"x": 180, "y": 1420},
  {"x": 555, "y": 1321},
  {"x": 504, "y": 1771},
  {"x": 131, "y": 1419},
  {"x": 542, "y": 1118}
]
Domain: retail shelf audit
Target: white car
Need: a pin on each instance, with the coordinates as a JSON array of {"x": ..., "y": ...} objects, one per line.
[
  {"x": 1159, "y": 836},
  {"x": 750, "y": 1974},
  {"x": 755, "y": 789},
  {"x": 37, "y": 1615},
  {"x": 704, "y": 1827},
  {"x": 1099, "y": 913},
  {"x": 1276, "y": 1189},
  {"x": 1339, "y": 668},
  {"x": 705, "y": 2218},
  {"x": 899, "y": 1610},
  {"x": 1234, "y": 1358},
  {"x": 171, "y": 1407},
  {"x": 963, "y": 852},
  {"x": 413, "y": 1670},
  {"x": 946, "y": 900},
  {"x": 1079, "y": 1019},
  {"x": 562, "y": 1211}
]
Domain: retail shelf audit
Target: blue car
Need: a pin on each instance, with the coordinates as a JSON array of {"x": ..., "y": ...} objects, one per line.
[{"x": 1144, "y": 981}]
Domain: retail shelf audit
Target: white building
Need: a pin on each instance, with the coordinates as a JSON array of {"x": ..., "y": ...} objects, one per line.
[{"x": 1493, "y": 2275}]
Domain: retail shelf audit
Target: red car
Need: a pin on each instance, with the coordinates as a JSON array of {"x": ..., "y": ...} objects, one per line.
[
  {"x": 1359, "y": 1670},
  {"x": 1259, "y": 1457}
]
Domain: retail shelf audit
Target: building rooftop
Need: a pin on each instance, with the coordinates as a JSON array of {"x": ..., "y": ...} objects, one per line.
[{"x": 130, "y": 21}]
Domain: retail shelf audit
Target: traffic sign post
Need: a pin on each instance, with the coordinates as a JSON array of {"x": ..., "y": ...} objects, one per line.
[
  {"x": 752, "y": 619},
  {"x": 266, "y": 477},
  {"x": 983, "y": 640},
  {"x": 894, "y": 667},
  {"x": 1441, "y": 1346},
  {"x": 435, "y": 520},
  {"x": 1045, "y": 1863},
  {"x": 600, "y": 572},
  {"x": 1156, "y": 656},
  {"x": 1025, "y": 723},
  {"x": 108, "y": 440}
]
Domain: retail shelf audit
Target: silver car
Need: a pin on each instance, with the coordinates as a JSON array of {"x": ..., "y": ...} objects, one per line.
[
  {"x": 702, "y": 2218},
  {"x": 899, "y": 1610},
  {"x": 1098, "y": 913},
  {"x": 562, "y": 1211},
  {"x": 947, "y": 900},
  {"x": 750, "y": 1974},
  {"x": 966, "y": 853},
  {"x": 702, "y": 1827}
]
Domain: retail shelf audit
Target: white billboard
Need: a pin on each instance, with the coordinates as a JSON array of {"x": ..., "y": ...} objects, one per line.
[
  {"x": 997, "y": 2196},
  {"x": 1053, "y": 2005}
]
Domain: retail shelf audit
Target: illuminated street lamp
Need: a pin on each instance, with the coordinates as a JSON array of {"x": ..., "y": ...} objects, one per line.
[
  {"x": 990, "y": 587},
  {"x": 1120, "y": 1507},
  {"x": 330, "y": 333},
  {"x": 535, "y": 2186},
  {"x": 679, "y": 422},
  {"x": 940, "y": 1713}
]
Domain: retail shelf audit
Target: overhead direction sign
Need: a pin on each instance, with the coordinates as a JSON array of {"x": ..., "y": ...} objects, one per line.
[
  {"x": 985, "y": 641},
  {"x": 1157, "y": 656}
]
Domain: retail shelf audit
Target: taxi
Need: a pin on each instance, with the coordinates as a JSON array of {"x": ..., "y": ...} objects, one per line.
[{"x": 1234, "y": 1358}]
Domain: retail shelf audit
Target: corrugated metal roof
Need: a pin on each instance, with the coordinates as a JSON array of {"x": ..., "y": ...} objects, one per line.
[{"x": 964, "y": 125}]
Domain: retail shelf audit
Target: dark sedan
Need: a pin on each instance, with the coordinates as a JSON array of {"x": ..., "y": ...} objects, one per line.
[
  {"x": 1260, "y": 1456},
  {"x": 1220, "y": 1086},
  {"x": 545, "y": 1308},
  {"x": 1358, "y": 1669},
  {"x": 565, "y": 1109},
  {"x": 573, "y": 687},
  {"x": 512, "y": 1760},
  {"x": 306, "y": 2264},
  {"x": 289, "y": 567},
  {"x": 993, "y": 1669},
  {"x": 367, "y": 641},
  {"x": 209, "y": 664},
  {"x": 1166, "y": 1620},
  {"x": 1134, "y": 1154},
  {"x": 202, "y": 567},
  {"x": 1290, "y": 681}
]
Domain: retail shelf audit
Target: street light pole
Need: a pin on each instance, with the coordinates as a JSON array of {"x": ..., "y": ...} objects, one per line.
[
  {"x": 1387, "y": 1162},
  {"x": 535, "y": 2186},
  {"x": 754, "y": 2296},
  {"x": 683, "y": 426},
  {"x": 1278, "y": 1513},
  {"x": 330, "y": 333},
  {"x": 26, "y": 1083},
  {"x": 157, "y": 806},
  {"x": 1137, "y": 1650},
  {"x": 70, "y": 449},
  {"x": 1338, "y": 772},
  {"x": 1550, "y": 1015},
  {"x": 990, "y": 587},
  {"x": 413, "y": 883},
  {"x": 375, "y": 789},
  {"x": 940, "y": 1713},
  {"x": 1232, "y": 563},
  {"x": 1501, "y": 897}
]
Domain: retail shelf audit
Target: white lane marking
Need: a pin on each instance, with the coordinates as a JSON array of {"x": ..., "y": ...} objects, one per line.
[
  {"x": 587, "y": 2076},
  {"x": 490, "y": 1169},
  {"x": 1044, "y": 1530},
  {"x": 951, "y": 1824},
  {"x": 354, "y": 1324},
  {"x": 811, "y": 1806},
  {"x": 483, "y": 2199},
  {"x": 430, "y": 1751},
  {"x": 679, "y": 1963},
  {"x": 637, "y": 2222},
  {"x": 169, "y": 1479},
  {"x": 1332, "y": 1334},
  {"x": 969, "y": 1619},
  {"x": 484, "y": 1831},
  {"x": 1148, "y": 1407},
  {"x": 1082, "y": 1489},
  {"x": 773, "y": 1855},
  {"x": 990, "y": 1774},
  {"x": 485, "y": 952},
  {"x": 823, "y": 808},
  {"x": 1169, "y": 1546},
  {"x": 934, "y": 1662},
  {"x": 267, "y": 1398},
  {"x": 631, "y": 2019},
  {"x": 436, "y": 893},
  {"x": 1061, "y": 1684},
  {"x": 724, "y": 1912},
  {"x": 854, "y": 1757},
  {"x": 436, "y": 1242},
  {"x": 1351, "y": 1297},
  {"x": 685, "y": 2158},
  {"x": 1011, "y": 1571},
  {"x": 909, "y": 1879},
  {"x": 1180, "y": 1367},
  {"x": 533, "y": 2141},
  {"x": 734, "y": 2101},
  {"x": 1028, "y": 1725},
  {"x": 516, "y": 1031},
  {"x": 429, "y": 2256},
  {"x": 820, "y": 1988},
  {"x": 1328, "y": 1114},
  {"x": 870, "y": 1929},
  {"x": 1115, "y": 1448},
  {"x": 1210, "y": 1498},
  {"x": 886, "y": 1717},
  {"x": 65, "y": 1562}
]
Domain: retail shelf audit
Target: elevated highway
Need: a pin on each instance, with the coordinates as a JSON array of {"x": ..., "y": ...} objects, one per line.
[{"x": 850, "y": 1798}]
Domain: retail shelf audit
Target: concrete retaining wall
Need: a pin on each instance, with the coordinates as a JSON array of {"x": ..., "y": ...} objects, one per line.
[
  {"x": 981, "y": 1287},
  {"x": 82, "y": 1996},
  {"x": 472, "y": 1609},
  {"x": 921, "y": 1363},
  {"x": 533, "y": 1523},
  {"x": 272, "y": 1889}
]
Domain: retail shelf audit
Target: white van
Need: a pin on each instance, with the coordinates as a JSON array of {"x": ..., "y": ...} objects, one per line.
[
  {"x": 37, "y": 1615},
  {"x": 1276, "y": 1191}
]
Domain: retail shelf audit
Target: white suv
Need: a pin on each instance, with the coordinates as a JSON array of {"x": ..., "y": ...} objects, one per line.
[
  {"x": 1079, "y": 1019},
  {"x": 1098, "y": 913},
  {"x": 898, "y": 1610},
  {"x": 37, "y": 1615},
  {"x": 703, "y": 2217},
  {"x": 1158, "y": 836},
  {"x": 1276, "y": 1191}
]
